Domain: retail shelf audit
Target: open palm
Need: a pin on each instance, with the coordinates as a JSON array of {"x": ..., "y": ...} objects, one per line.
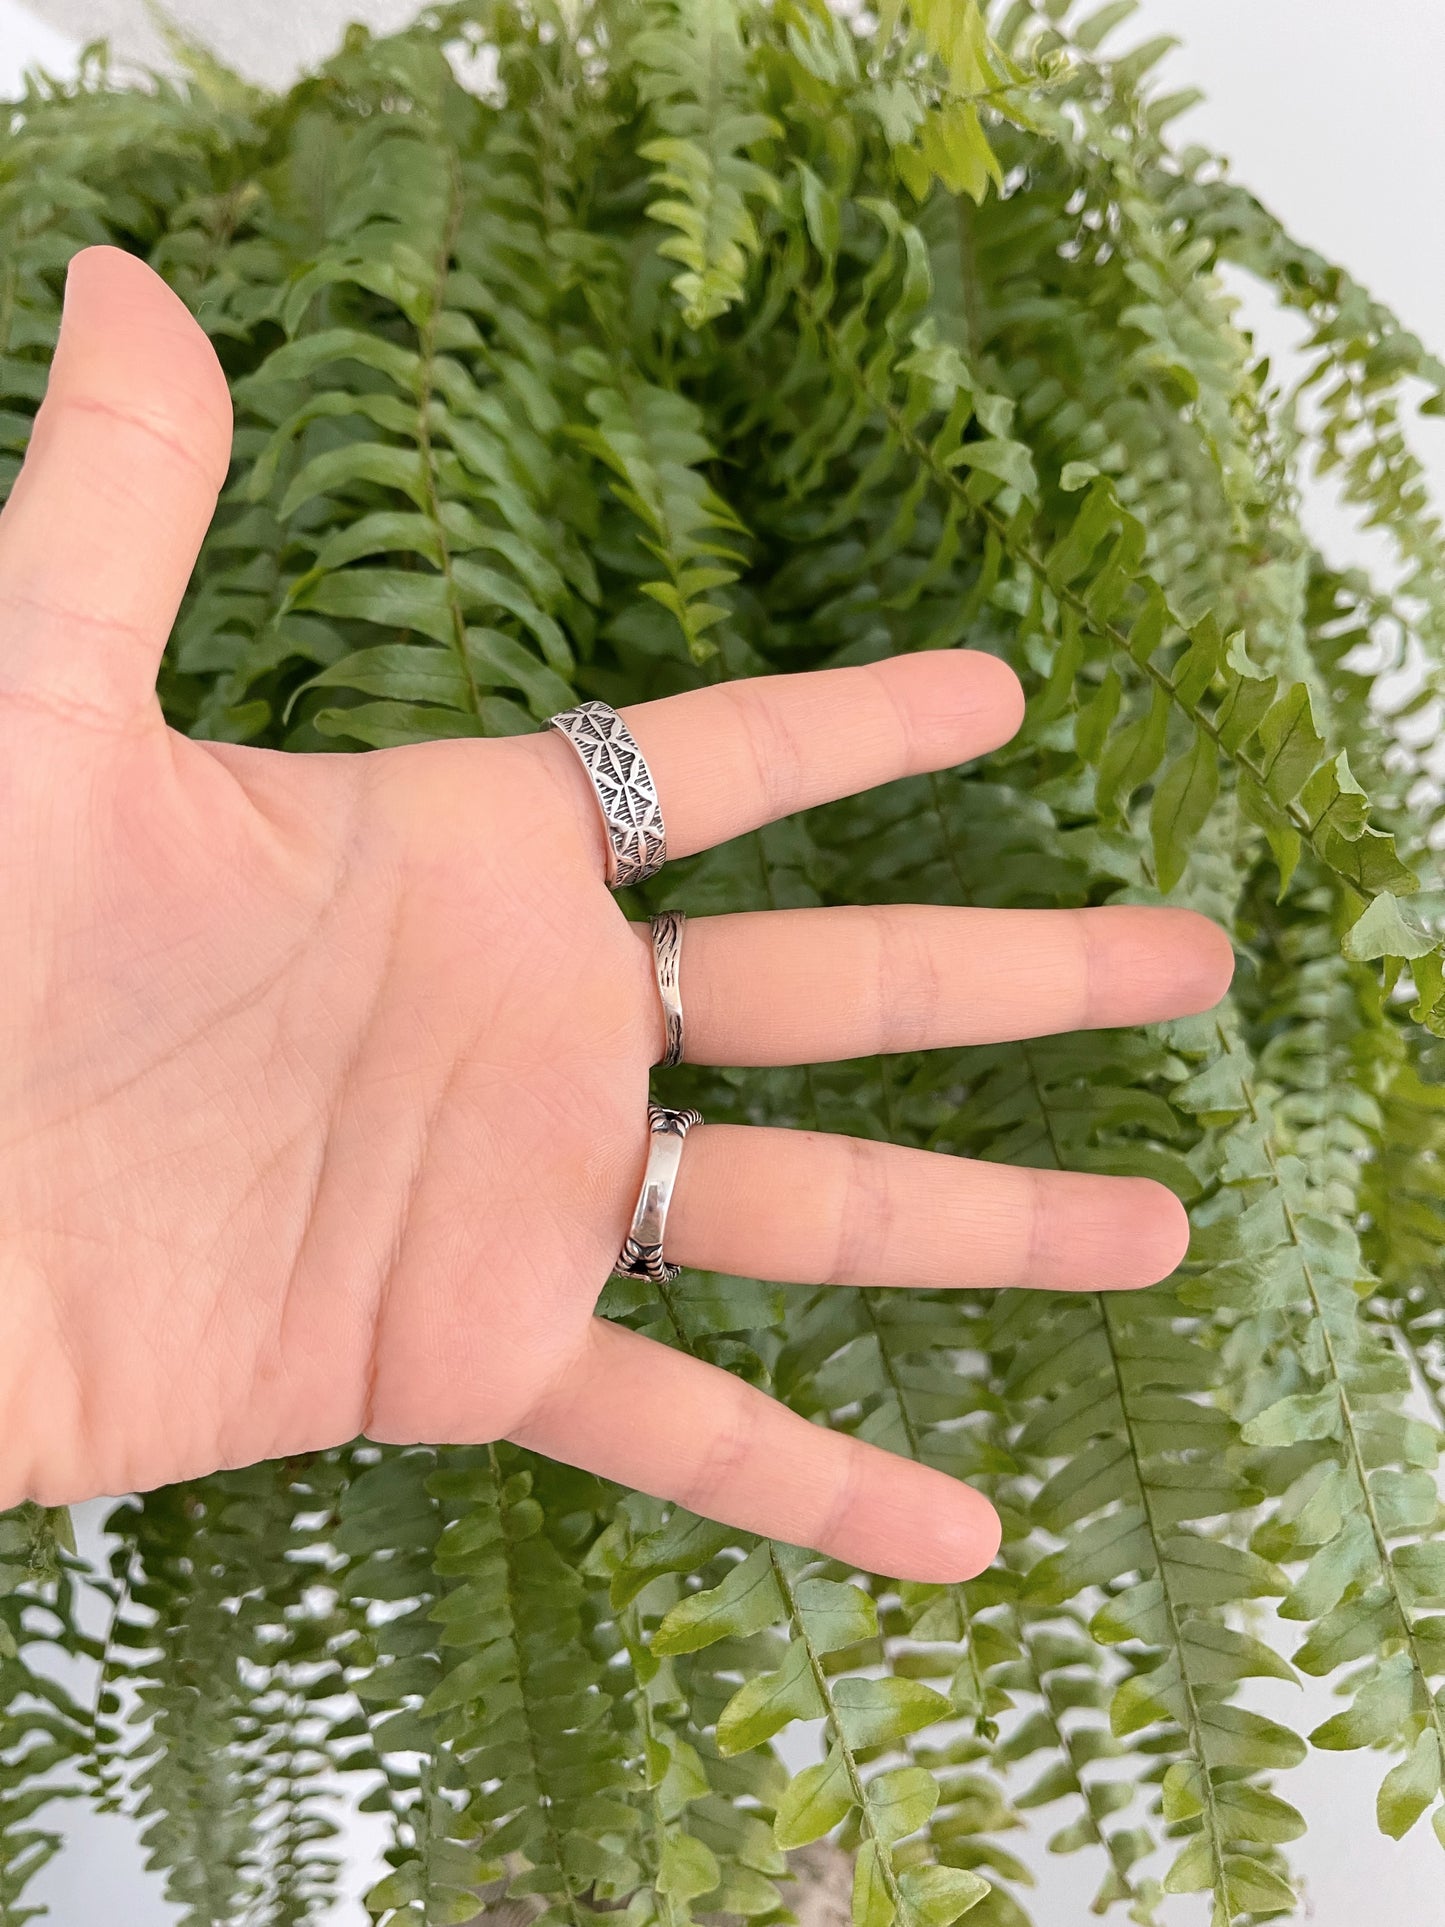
[{"x": 323, "y": 1081}]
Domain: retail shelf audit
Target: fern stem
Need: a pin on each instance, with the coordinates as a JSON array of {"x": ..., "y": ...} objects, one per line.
[
  {"x": 1195, "y": 1730},
  {"x": 869, "y": 1297},
  {"x": 845, "y": 1752},
  {"x": 815, "y": 1663},
  {"x": 1103, "y": 1841},
  {"x": 1176, "y": 1633},
  {"x": 630, "y": 1626},
  {"x": 825, "y": 1693},
  {"x": 1347, "y": 1415},
  {"x": 547, "y": 1800}
]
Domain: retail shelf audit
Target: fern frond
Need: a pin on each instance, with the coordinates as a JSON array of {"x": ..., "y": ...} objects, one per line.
[{"x": 692, "y": 69}]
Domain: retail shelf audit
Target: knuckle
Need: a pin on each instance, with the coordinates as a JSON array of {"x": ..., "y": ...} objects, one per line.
[
  {"x": 773, "y": 751},
  {"x": 729, "y": 1444},
  {"x": 1037, "y": 1241},
  {"x": 851, "y": 1457},
  {"x": 864, "y": 1211},
  {"x": 908, "y": 979}
]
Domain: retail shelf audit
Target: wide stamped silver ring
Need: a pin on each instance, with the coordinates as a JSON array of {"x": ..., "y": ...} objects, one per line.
[
  {"x": 641, "y": 1254},
  {"x": 623, "y": 785},
  {"x": 667, "y": 929}
]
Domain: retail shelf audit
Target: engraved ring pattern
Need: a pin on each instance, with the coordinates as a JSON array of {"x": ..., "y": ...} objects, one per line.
[
  {"x": 626, "y": 793},
  {"x": 641, "y": 1254},
  {"x": 667, "y": 961}
]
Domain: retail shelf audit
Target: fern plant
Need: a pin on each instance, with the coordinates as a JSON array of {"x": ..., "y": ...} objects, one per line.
[{"x": 702, "y": 338}]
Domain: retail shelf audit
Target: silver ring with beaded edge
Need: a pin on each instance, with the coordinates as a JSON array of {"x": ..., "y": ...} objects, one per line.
[{"x": 641, "y": 1254}]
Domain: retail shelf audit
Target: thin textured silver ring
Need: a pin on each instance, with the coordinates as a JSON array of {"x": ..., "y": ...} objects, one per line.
[
  {"x": 625, "y": 791},
  {"x": 667, "y": 961},
  {"x": 641, "y": 1254}
]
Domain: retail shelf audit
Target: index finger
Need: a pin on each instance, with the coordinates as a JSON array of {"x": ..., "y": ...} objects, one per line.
[{"x": 734, "y": 756}]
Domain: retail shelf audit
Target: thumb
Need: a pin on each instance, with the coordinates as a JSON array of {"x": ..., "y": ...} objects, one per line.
[{"x": 102, "y": 528}]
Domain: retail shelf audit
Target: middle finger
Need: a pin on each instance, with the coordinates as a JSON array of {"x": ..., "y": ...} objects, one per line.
[{"x": 807, "y": 986}]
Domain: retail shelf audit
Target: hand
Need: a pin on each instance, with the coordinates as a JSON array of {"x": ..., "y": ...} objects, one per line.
[{"x": 322, "y": 1078}]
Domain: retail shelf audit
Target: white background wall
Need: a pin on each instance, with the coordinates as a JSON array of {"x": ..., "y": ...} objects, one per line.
[{"x": 1331, "y": 113}]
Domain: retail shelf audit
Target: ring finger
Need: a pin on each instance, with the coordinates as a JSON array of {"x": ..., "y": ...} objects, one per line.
[{"x": 830, "y": 1210}]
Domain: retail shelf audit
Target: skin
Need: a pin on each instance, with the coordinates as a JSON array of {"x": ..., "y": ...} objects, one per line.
[{"x": 322, "y": 1078}]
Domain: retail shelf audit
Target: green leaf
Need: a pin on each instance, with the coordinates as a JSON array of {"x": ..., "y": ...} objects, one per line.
[
  {"x": 1422, "y": 1568},
  {"x": 1370, "y": 861},
  {"x": 1184, "y": 1790},
  {"x": 1292, "y": 744},
  {"x": 1333, "y": 800},
  {"x": 480, "y": 586},
  {"x": 936, "y": 1896},
  {"x": 1386, "y": 928},
  {"x": 1010, "y": 461},
  {"x": 1247, "y": 700},
  {"x": 372, "y": 464},
  {"x": 407, "y": 671},
  {"x": 1118, "y": 1543},
  {"x": 874, "y": 1711},
  {"x": 1217, "y": 1654},
  {"x": 688, "y": 1868},
  {"x": 1404, "y": 1501},
  {"x": 1131, "y": 757},
  {"x": 385, "y": 532},
  {"x": 384, "y": 725},
  {"x": 835, "y": 1614},
  {"x": 746, "y": 1601},
  {"x": 1356, "y": 1626},
  {"x": 397, "y": 1889},
  {"x": 301, "y": 359},
  {"x": 1235, "y": 1737},
  {"x": 1138, "y": 1613},
  {"x": 1255, "y": 1886},
  {"x": 765, "y": 1705},
  {"x": 1348, "y": 1556},
  {"x": 683, "y": 1544},
  {"x": 1252, "y": 1813},
  {"x": 450, "y": 1907},
  {"x": 1095, "y": 26},
  {"x": 813, "y": 1802},
  {"x": 1096, "y": 718},
  {"x": 1076, "y": 475},
  {"x": 495, "y": 658},
  {"x": 1303, "y": 1415},
  {"x": 902, "y": 1801},
  {"x": 1207, "y": 1572},
  {"x": 1183, "y": 798},
  {"x": 1285, "y": 842},
  {"x": 1193, "y": 1870},
  {"x": 393, "y": 598},
  {"x": 872, "y": 1903},
  {"x": 1409, "y": 1787}
]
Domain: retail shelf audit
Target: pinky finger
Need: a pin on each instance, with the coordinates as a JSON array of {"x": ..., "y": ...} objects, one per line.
[{"x": 636, "y": 1411}]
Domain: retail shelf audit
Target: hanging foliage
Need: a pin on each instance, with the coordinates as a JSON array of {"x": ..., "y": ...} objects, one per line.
[{"x": 607, "y": 348}]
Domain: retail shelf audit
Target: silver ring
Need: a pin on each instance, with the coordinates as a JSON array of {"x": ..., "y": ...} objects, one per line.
[
  {"x": 667, "y": 962},
  {"x": 641, "y": 1254},
  {"x": 625, "y": 791}
]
